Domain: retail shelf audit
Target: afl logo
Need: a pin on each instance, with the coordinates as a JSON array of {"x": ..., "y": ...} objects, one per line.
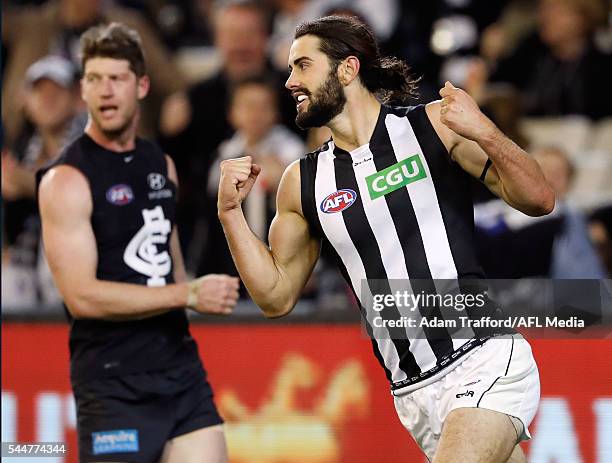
[
  {"x": 119, "y": 195},
  {"x": 338, "y": 201},
  {"x": 156, "y": 181}
]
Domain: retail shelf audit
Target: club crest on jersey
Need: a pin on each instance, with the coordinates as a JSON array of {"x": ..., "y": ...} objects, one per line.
[
  {"x": 338, "y": 201},
  {"x": 156, "y": 181},
  {"x": 120, "y": 195}
]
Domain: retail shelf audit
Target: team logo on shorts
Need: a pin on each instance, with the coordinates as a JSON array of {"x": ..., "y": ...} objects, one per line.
[
  {"x": 338, "y": 201},
  {"x": 120, "y": 195},
  {"x": 156, "y": 181},
  {"x": 116, "y": 441}
]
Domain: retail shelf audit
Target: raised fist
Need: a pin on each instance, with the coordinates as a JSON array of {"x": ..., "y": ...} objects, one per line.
[
  {"x": 460, "y": 113},
  {"x": 237, "y": 178}
]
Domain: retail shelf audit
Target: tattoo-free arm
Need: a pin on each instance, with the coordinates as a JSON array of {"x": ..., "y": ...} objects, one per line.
[
  {"x": 70, "y": 246},
  {"x": 274, "y": 276}
]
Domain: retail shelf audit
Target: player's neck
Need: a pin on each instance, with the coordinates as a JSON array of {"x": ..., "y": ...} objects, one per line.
[
  {"x": 124, "y": 141},
  {"x": 354, "y": 126}
]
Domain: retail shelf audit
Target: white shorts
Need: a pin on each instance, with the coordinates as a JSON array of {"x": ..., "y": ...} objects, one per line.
[{"x": 500, "y": 375}]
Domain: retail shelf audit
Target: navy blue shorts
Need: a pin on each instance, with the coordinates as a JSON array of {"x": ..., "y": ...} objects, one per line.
[{"x": 130, "y": 418}]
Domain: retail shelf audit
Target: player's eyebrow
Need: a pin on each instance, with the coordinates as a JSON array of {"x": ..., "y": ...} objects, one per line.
[{"x": 298, "y": 61}]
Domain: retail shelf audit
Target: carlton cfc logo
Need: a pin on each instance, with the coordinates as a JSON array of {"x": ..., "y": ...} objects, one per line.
[{"x": 338, "y": 201}]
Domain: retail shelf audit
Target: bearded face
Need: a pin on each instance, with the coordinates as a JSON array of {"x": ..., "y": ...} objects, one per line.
[{"x": 322, "y": 105}]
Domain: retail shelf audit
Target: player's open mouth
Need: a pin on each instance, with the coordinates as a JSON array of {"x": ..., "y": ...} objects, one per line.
[
  {"x": 108, "y": 111},
  {"x": 301, "y": 99}
]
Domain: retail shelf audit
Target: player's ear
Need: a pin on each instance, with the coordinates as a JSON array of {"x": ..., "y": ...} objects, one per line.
[
  {"x": 348, "y": 69},
  {"x": 143, "y": 86}
]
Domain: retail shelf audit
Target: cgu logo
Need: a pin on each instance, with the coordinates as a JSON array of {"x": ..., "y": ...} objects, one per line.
[
  {"x": 338, "y": 201},
  {"x": 119, "y": 195},
  {"x": 395, "y": 177}
]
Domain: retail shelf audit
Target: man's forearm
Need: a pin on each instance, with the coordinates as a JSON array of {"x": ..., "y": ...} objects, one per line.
[
  {"x": 125, "y": 301},
  {"x": 522, "y": 180},
  {"x": 254, "y": 262}
]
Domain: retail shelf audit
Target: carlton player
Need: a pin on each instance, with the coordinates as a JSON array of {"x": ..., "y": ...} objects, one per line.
[
  {"x": 405, "y": 212},
  {"x": 107, "y": 208}
]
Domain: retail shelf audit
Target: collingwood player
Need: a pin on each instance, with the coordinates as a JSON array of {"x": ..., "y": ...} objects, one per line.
[
  {"x": 108, "y": 207},
  {"x": 390, "y": 193}
]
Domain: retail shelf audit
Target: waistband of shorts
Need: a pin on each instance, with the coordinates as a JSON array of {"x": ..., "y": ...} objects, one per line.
[{"x": 442, "y": 368}]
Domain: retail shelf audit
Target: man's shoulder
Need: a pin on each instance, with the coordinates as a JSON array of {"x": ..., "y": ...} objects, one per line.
[
  {"x": 62, "y": 183},
  {"x": 71, "y": 155}
]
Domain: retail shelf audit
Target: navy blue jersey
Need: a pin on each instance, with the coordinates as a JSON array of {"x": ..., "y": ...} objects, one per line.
[{"x": 132, "y": 219}]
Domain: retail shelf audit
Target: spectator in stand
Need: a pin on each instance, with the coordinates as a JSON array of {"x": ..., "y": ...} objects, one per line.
[
  {"x": 253, "y": 113},
  {"x": 559, "y": 69},
  {"x": 573, "y": 252},
  {"x": 600, "y": 225},
  {"x": 53, "y": 119},
  {"x": 29, "y": 33},
  {"x": 194, "y": 123},
  {"x": 382, "y": 16}
]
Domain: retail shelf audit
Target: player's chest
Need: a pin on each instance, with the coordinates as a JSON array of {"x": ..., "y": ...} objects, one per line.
[
  {"x": 365, "y": 198},
  {"x": 124, "y": 203}
]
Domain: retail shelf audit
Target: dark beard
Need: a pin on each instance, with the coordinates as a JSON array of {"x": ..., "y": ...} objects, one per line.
[{"x": 324, "y": 105}]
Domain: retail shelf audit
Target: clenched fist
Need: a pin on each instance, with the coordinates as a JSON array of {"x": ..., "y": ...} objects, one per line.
[
  {"x": 237, "y": 178},
  {"x": 216, "y": 294},
  {"x": 460, "y": 113}
]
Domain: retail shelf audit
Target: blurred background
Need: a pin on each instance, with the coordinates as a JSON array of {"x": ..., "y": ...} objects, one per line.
[{"x": 541, "y": 69}]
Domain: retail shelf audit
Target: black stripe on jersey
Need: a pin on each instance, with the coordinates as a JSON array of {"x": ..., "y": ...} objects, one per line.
[
  {"x": 308, "y": 172},
  {"x": 404, "y": 218},
  {"x": 453, "y": 189},
  {"x": 369, "y": 331},
  {"x": 358, "y": 226}
]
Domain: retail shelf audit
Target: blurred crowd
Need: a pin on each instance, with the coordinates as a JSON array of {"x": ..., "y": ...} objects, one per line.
[{"x": 541, "y": 69}]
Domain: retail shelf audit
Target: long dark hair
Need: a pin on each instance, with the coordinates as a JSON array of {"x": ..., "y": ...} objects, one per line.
[{"x": 342, "y": 36}]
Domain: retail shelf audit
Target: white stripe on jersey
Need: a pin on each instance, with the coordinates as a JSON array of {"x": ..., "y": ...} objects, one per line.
[
  {"x": 335, "y": 230},
  {"x": 391, "y": 251},
  {"x": 426, "y": 209},
  {"x": 424, "y": 201}
]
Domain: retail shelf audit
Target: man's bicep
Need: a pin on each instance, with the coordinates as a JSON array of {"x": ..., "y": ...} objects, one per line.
[
  {"x": 294, "y": 249},
  {"x": 68, "y": 238}
]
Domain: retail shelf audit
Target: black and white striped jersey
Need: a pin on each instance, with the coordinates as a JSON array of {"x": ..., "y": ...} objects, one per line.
[{"x": 397, "y": 208}]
